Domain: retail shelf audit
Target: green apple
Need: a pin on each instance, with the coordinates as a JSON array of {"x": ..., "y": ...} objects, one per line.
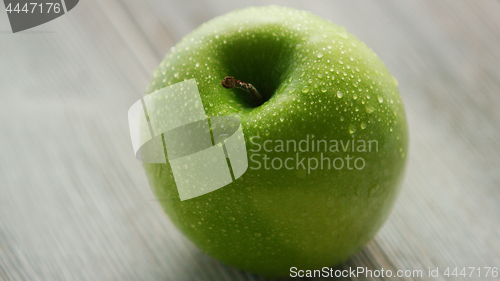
[{"x": 325, "y": 102}]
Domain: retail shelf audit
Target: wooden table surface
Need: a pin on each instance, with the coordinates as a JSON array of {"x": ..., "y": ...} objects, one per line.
[{"x": 75, "y": 204}]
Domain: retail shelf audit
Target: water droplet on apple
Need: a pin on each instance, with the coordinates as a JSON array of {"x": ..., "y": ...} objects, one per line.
[
  {"x": 305, "y": 90},
  {"x": 339, "y": 94},
  {"x": 369, "y": 109},
  {"x": 355, "y": 97},
  {"x": 319, "y": 55},
  {"x": 197, "y": 64},
  {"x": 176, "y": 75},
  {"x": 380, "y": 99},
  {"x": 282, "y": 119},
  {"x": 374, "y": 189},
  {"x": 352, "y": 129},
  {"x": 323, "y": 90},
  {"x": 363, "y": 125}
]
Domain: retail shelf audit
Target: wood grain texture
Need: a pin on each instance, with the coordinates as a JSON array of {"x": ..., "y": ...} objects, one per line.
[{"x": 75, "y": 204}]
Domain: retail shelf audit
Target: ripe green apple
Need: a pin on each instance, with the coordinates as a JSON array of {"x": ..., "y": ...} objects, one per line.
[{"x": 318, "y": 85}]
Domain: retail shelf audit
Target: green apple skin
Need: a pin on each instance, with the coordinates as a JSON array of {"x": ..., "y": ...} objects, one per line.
[{"x": 319, "y": 81}]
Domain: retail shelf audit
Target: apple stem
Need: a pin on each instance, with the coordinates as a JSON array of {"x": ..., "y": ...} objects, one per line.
[{"x": 231, "y": 82}]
